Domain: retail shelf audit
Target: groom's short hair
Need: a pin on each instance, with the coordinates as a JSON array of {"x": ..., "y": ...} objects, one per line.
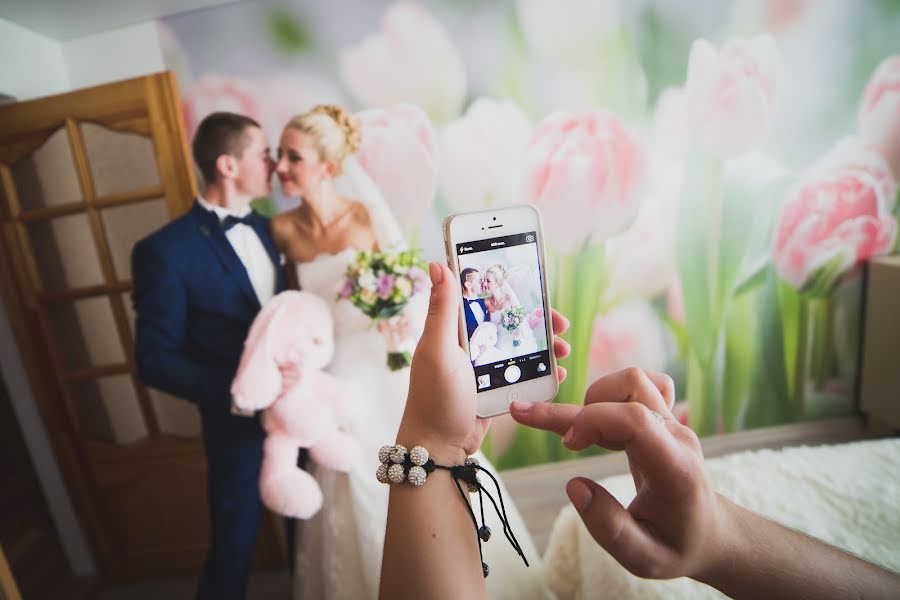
[
  {"x": 464, "y": 275},
  {"x": 220, "y": 133}
]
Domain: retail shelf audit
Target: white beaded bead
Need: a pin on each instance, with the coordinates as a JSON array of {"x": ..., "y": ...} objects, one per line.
[
  {"x": 417, "y": 476},
  {"x": 418, "y": 455},
  {"x": 384, "y": 454},
  {"x": 396, "y": 474},
  {"x": 382, "y": 473},
  {"x": 398, "y": 454}
]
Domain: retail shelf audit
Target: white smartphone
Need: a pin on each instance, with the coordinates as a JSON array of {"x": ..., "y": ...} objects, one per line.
[{"x": 504, "y": 318}]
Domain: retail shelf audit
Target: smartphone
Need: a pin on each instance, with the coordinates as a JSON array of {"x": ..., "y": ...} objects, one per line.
[{"x": 504, "y": 318}]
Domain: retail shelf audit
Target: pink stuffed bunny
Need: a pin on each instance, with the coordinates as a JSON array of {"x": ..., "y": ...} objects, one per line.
[
  {"x": 482, "y": 346},
  {"x": 290, "y": 342}
]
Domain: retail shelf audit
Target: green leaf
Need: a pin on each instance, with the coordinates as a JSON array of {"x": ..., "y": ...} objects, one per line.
[
  {"x": 288, "y": 32},
  {"x": 740, "y": 359},
  {"x": 696, "y": 252},
  {"x": 768, "y": 402},
  {"x": 264, "y": 206},
  {"x": 756, "y": 278}
]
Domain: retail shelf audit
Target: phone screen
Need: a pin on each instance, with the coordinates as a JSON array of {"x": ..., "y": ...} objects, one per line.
[{"x": 501, "y": 282}]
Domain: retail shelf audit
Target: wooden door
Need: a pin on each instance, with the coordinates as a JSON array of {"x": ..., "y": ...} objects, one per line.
[{"x": 83, "y": 176}]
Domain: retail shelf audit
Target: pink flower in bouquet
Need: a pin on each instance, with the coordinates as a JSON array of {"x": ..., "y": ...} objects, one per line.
[
  {"x": 675, "y": 302},
  {"x": 385, "y": 287},
  {"x": 399, "y": 153},
  {"x": 732, "y": 93},
  {"x": 629, "y": 335},
  {"x": 412, "y": 59},
  {"x": 584, "y": 171},
  {"x": 481, "y": 152},
  {"x": 213, "y": 93},
  {"x": 879, "y": 112},
  {"x": 420, "y": 280},
  {"x": 838, "y": 216}
]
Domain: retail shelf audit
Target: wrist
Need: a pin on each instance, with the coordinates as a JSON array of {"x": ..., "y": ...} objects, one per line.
[
  {"x": 726, "y": 546},
  {"x": 440, "y": 450}
]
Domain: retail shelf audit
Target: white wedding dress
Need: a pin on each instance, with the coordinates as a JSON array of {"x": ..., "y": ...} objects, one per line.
[{"x": 339, "y": 549}]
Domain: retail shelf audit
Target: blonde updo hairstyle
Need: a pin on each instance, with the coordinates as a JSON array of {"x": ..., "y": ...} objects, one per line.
[
  {"x": 336, "y": 132},
  {"x": 499, "y": 273}
]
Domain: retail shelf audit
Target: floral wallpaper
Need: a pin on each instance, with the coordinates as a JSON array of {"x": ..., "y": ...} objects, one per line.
[{"x": 711, "y": 174}]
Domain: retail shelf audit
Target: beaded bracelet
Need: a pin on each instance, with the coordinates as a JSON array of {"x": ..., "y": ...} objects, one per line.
[{"x": 397, "y": 464}]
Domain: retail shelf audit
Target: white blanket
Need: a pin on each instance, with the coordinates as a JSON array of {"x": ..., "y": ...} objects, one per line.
[{"x": 847, "y": 495}]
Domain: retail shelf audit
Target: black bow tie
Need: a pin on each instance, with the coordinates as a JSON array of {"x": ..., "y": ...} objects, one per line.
[
  {"x": 230, "y": 221},
  {"x": 470, "y": 301}
]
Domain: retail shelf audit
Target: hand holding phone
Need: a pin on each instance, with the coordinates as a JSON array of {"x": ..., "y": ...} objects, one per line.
[{"x": 498, "y": 256}]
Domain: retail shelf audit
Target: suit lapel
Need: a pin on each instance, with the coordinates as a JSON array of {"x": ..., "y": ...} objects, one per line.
[{"x": 211, "y": 231}]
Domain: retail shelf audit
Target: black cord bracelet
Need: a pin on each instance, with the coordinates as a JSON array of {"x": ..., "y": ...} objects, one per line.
[{"x": 399, "y": 464}]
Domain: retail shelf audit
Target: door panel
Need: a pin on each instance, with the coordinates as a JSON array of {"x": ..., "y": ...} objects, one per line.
[{"x": 84, "y": 176}]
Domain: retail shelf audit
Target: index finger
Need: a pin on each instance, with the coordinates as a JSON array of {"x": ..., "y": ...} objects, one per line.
[{"x": 632, "y": 426}]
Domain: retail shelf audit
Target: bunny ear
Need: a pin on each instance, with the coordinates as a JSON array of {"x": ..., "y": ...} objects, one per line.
[{"x": 258, "y": 380}]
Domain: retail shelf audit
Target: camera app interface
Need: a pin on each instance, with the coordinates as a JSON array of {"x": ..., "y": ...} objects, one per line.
[{"x": 505, "y": 326}]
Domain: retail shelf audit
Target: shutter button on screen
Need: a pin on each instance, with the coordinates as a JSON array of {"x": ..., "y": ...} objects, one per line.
[{"x": 512, "y": 374}]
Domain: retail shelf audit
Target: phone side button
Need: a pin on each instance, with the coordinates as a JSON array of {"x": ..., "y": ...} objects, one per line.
[{"x": 514, "y": 395}]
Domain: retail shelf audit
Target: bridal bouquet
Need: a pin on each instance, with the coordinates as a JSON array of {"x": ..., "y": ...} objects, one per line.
[
  {"x": 511, "y": 320},
  {"x": 380, "y": 284}
]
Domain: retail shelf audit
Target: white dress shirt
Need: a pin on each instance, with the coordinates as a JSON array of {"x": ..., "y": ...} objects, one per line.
[
  {"x": 476, "y": 309},
  {"x": 250, "y": 250}
]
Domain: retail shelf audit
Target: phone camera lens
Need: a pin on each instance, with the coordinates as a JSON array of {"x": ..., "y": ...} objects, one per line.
[{"x": 495, "y": 218}]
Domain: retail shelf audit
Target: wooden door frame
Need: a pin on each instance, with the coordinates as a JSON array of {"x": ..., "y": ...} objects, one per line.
[
  {"x": 127, "y": 105},
  {"x": 150, "y": 98}
]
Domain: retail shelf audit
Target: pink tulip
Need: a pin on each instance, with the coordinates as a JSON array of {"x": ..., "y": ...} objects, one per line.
[
  {"x": 879, "y": 112},
  {"x": 480, "y": 152},
  {"x": 675, "y": 302},
  {"x": 836, "y": 217},
  {"x": 584, "y": 171},
  {"x": 629, "y": 335},
  {"x": 732, "y": 93},
  {"x": 641, "y": 261},
  {"x": 671, "y": 128},
  {"x": 399, "y": 153},
  {"x": 412, "y": 59},
  {"x": 212, "y": 93}
]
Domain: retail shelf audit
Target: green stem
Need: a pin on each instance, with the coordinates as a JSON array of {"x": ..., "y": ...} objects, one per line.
[
  {"x": 801, "y": 364},
  {"x": 701, "y": 395},
  {"x": 823, "y": 350}
]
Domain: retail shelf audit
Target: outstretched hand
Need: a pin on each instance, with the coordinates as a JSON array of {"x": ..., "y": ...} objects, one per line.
[
  {"x": 672, "y": 527},
  {"x": 440, "y": 411}
]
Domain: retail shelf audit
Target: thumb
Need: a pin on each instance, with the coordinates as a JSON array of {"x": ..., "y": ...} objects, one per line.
[
  {"x": 442, "y": 322},
  {"x": 613, "y": 527}
]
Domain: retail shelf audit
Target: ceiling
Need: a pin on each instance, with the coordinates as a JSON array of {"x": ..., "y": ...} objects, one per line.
[{"x": 64, "y": 20}]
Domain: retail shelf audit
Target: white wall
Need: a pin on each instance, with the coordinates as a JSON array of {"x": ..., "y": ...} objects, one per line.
[
  {"x": 113, "y": 55},
  {"x": 32, "y": 65}
]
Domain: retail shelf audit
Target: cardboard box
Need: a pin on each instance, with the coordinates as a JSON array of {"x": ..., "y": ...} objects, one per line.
[{"x": 879, "y": 386}]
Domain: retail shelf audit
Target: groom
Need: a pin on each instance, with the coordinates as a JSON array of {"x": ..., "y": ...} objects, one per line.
[
  {"x": 198, "y": 284},
  {"x": 476, "y": 310}
]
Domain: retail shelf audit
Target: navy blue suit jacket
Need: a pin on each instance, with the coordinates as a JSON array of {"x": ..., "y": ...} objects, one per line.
[
  {"x": 194, "y": 304},
  {"x": 471, "y": 322}
]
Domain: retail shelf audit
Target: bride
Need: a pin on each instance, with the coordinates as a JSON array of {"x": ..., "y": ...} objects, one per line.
[
  {"x": 501, "y": 297},
  {"x": 342, "y": 212}
]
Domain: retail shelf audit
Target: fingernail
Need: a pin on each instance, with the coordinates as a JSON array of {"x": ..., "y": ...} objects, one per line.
[
  {"x": 569, "y": 435},
  {"x": 579, "y": 493},
  {"x": 520, "y": 406},
  {"x": 436, "y": 273}
]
